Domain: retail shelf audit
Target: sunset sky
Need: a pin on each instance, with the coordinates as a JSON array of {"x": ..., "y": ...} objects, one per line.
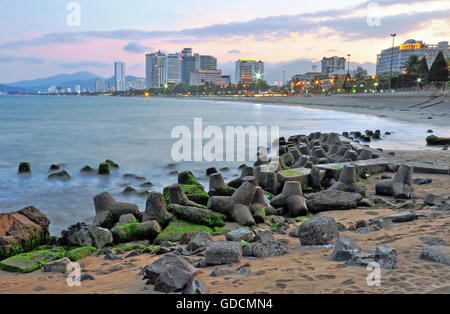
[{"x": 36, "y": 41}]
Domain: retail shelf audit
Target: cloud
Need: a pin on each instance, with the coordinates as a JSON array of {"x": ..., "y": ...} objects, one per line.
[
  {"x": 136, "y": 47},
  {"x": 23, "y": 59},
  {"x": 340, "y": 22},
  {"x": 84, "y": 64},
  {"x": 234, "y": 51}
]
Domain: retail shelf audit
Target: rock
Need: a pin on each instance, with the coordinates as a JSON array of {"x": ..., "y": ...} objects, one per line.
[
  {"x": 22, "y": 231},
  {"x": 318, "y": 231},
  {"x": 127, "y": 218},
  {"x": 437, "y": 254},
  {"x": 329, "y": 200},
  {"x": 292, "y": 199},
  {"x": 269, "y": 249},
  {"x": 365, "y": 155},
  {"x": 434, "y": 199},
  {"x": 87, "y": 170},
  {"x": 386, "y": 256},
  {"x": 172, "y": 279},
  {"x": 58, "y": 266},
  {"x": 345, "y": 250},
  {"x": 112, "y": 164},
  {"x": 432, "y": 240},
  {"x": 400, "y": 187},
  {"x": 211, "y": 171},
  {"x": 62, "y": 176},
  {"x": 315, "y": 179},
  {"x": 403, "y": 217},
  {"x": 86, "y": 277},
  {"x": 178, "y": 196},
  {"x": 444, "y": 206},
  {"x": 246, "y": 172},
  {"x": 348, "y": 182},
  {"x": 240, "y": 234},
  {"x": 259, "y": 207},
  {"x": 82, "y": 235},
  {"x": 135, "y": 231},
  {"x": 177, "y": 228},
  {"x": 381, "y": 222},
  {"x": 264, "y": 235},
  {"x": 153, "y": 271},
  {"x": 217, "y": 186},
  {"x": 197, "y": 216},
  {"x": 365, "y": 230},
  {"x": 129, "y": 190},
  {"x": 108, "y": 211},
  {"x": 434, "y": 140},
  {"x": 222, "y": 253},
  {"x": 24, "y": 167},
  {"x": 30, "y": 261},
  {"x": 199, "y": 241},
  {"x": 421, "y": 181},
  {"x": 104, "y": 169},
  {"x": 219, "y": 272},
  {"x": 186, "y": 237},
  {"x": 196, "y": 286},
  {"x": 155, "y": 209},
  {"x": 242, "y": 215},
  {"x": 386, "y": 177}
]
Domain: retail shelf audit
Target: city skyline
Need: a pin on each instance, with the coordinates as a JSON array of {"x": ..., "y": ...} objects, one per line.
[{"x": 294, "y": 30}]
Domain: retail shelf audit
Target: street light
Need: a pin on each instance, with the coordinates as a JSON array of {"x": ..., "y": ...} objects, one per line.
[
  {"x": 348, "y": 63},
  {"x": 392, "y": 60}
]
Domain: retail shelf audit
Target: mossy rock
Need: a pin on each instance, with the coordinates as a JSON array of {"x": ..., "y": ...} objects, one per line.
[
  {"x": 291, "y": 173},
  {"x": 198, "y": 216},
  {"x": 177, "y": 228},
  {"x": 307, "y": 189},
  {"x": 80, "y": 253},
  {"x": 104, "y": 169},
  {"x": 127, "y": 247},
  {"x": 35, "y": 240},
  {"x": 366, "y": 203},
  {"x": 196, "y": 194},
  {"x": 135, "y": 231},
  {"x": 88, "y": 170},
  {"x": 31, "y": 261},
  {"x": 112, "y": 164},
  {"x": 301, "y": 219},
  {"x": 24, "y": 167},
  {"x": 62, "y": 175},
  {"x": 220, "y": 231},
  {"x": 434, "y": 140},
  {"x": 187, "y": 178},
  {"x": 269, "y": 195}
]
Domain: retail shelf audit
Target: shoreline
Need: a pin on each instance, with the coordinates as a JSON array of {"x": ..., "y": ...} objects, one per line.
[{"x": 412, "y": 109}]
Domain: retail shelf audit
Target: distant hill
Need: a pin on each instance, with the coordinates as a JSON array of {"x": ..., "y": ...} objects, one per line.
[
  {"x": 11, "y": 89},
  {"x": 84, "y": 79}
]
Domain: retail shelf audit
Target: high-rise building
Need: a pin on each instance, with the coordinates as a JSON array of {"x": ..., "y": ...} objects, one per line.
[
  {"x": 249, "y": 70},
  {"x": 119, "y": 76},
  {"x": 208, "y": 63},
  {"x": 156, "y": 69},
  {"x": 191, "y": 63},
  {"x": 77, "y": 89},
  {"x": 333, "y": 66},
  {"x": 100, "y": 86},
  {"x": 202, "y": 77},
  {"x": 398, "y": 56},
  {"x": 174, "y": 69},
  {"x": 52, "y": 89},
  {"x": 226, "y": 80}
]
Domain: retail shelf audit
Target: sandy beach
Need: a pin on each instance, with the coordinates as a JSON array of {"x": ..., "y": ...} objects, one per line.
[{"x": 302, "y": 271}]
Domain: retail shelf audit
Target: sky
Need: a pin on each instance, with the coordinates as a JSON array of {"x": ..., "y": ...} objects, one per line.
[{"x": 40, "y": 38}]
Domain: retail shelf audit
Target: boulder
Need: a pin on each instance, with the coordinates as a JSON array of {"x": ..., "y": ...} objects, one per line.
[
  {"x": 292, "y": 199},
  {"x": 211, "y": 171},
  {"x": 246, "y": 172},
  {"x": 221, "y": 204},
  {"x": 24, "y": 167},
  {"x": 155, "y": 209},
  {"x": 80, "y": 253},
  {"x": 178, "y": 196},
  {"x": 62, "y": 176},
  {"x": 104, "y": 169},
  {"x": 22, "y": 231},
  {"x": 386, "y": 256},
  {"x": 264, "y": 235},
  {"x": 198, "y": 216},
  {"x": 269, "y": 248},
  {"x": 82, "y": 235},
  {"x": 177, "y": 228},
  {"x": 259, "y": 207},
  {"x": 365, "y": 155},
  {"x": 135, "y": 231},
  {"x": 223, "y": 253},
  {"x": 315, "y": 179},
  {"x": 217, "y": 186},
  {"x": 437, "y": 254},
  {"x": 108, "y": 211},
  {"x": 400, "y": 186},
  {"x": 318, "y": 231},
  {"x": 434, "y": 199},
  {"x": 240, "y": 234},
  {"x": 329, "y": 200},
  {"x": 30, "y": 261},
  {"x": 402, "y": 217},
  {"x": 196, "y": 286},
  {"x": 58, "y": 266},
  {"x": 348, "y": 182},
  {"x": 170, "y": 273},
  {"x": 242, "y": 215},
  {"x": 127, "y": 218},
  {"x": 244, "y": 194},
  {"x": 199, "y": 241},
  {"x": 345, "y": 250}
]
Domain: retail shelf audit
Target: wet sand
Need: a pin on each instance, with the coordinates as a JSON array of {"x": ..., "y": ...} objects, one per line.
[{"x": 302, "y": 271}]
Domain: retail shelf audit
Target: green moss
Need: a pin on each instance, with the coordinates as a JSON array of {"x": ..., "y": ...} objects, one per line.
[
  {"x": 301, "y": 219},
  {"x": 291, "y": 173},
  {"x": 104, "y": 169},
  {"x": 35, "y": 240},
  {"x": 307, "y": 189},
  {"x": 337, "y": 167},
  {"x": 80, "y": 253},
  {"x": 270, "y": 195},
  {"x": 220, "y": 231},
  {"x": 196, "y": 194},
  {"x": 435, "y": 140},
  {"x": 177, "y": 228},
  {"x": 31, "y": 261},
  {"x": 187, "y": 178},
  {"x": 366, "y": 203},
  {"x": 202, "y": 216},
  {"x": 128, "y": 232},
  {"x": 129, "y": 247}
]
